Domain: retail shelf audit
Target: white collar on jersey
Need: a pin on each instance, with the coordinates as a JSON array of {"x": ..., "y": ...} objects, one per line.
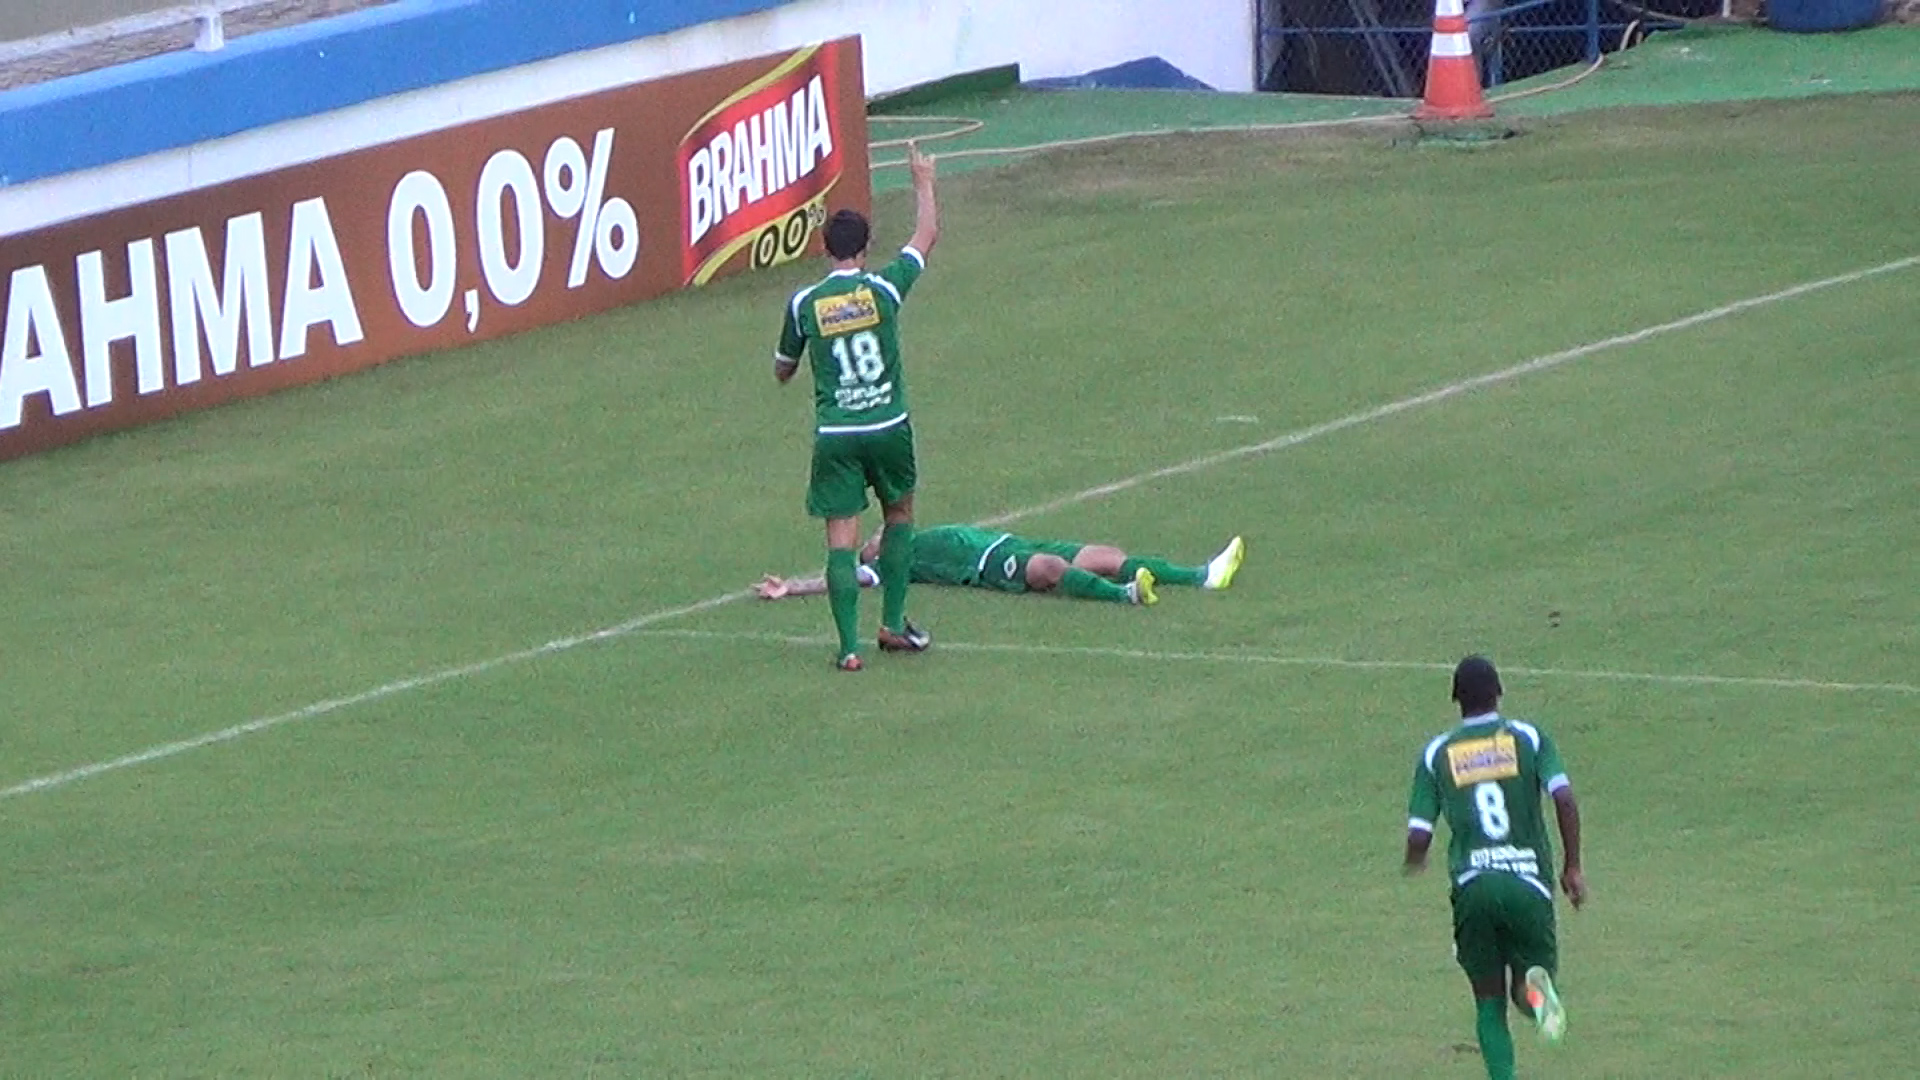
[{"x": 1483, "y": 718}]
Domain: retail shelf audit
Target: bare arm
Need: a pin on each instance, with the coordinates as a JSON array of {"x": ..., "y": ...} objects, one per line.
[
  {"x": 772, "y": 587},
  {"x": 926, "y": 213},
  {"x": 1418, "y": 841},
  {"x": 784, "y": 367},
  {"x": 1567, "y": 810}
]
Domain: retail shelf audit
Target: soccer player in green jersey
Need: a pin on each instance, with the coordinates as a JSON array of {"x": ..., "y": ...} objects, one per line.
[
  {"x": 1485, "y": 778},
  {"x": 847, "y": 326},
  {"x": 990, "y": 559}
]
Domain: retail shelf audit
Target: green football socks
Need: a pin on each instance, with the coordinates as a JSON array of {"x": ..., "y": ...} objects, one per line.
[
  {"x": 843, "y": 595},
  {"x": 896, "y": 572},
  {"x": 1496, "y": 1042},
  {"x": 1166, "y": 573},
  {"x": 1087, "y": 585}
]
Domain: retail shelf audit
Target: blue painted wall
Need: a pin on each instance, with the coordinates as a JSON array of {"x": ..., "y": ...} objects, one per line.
[{"x": 188, "y": 97}]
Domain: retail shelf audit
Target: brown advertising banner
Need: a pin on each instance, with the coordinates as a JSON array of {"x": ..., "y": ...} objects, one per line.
[{"x": 464, "y": 234}]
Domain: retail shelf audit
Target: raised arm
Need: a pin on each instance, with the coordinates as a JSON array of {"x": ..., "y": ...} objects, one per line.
[{"x": 926, "y": 214}]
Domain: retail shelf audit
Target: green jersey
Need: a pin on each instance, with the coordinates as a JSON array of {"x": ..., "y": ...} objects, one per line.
[
  {"x": 954, "y": 554},
  {"x": 1486, "y": 777},
  {"x": 848, "y": 327}
]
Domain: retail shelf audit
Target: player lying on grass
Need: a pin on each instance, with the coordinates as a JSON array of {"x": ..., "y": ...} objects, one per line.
[
  {"x": 1485, "y": 779},
  {"x": 990, "y": 559}
]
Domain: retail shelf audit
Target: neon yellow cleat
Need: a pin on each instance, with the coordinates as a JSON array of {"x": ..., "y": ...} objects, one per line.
[
  {"x": 1223, "y": 566},
  {"x": 1547, "y": 1010},
  {"x": 1141, "y": 588}
]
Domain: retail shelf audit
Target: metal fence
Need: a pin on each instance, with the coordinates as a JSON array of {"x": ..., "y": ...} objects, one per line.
[{"x": 1378, "y": 48}]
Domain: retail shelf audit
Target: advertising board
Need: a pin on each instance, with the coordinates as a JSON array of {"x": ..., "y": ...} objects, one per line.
[{"x": 456, "y": 236}]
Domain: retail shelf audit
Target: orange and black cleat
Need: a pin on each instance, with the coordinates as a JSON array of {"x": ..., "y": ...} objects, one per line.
[{"x": 912, "y": 639}]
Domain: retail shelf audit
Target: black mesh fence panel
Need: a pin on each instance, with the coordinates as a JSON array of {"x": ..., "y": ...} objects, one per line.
[{"x": 1378, "y": 48}]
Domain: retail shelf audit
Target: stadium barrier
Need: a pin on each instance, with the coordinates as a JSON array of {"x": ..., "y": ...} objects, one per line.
[
  {"x": 181, "y": 270},
  {"x": 454, "y": 235},
  {"x": 1379, "y": 49},
  {"x": 188, "y": 98},
  {"x": 185, "y": 98}
]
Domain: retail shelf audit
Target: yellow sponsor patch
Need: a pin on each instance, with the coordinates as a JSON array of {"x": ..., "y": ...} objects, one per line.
[
  {"x": 847, "y": 312},
  {"x": 1473, "y": 761}
]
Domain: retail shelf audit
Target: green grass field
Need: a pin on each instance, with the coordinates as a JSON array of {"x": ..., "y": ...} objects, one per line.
[{"x": 1076, "y": 840}]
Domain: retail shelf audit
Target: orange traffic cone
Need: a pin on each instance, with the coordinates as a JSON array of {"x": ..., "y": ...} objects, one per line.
[{"x": 1453, "y": 79}]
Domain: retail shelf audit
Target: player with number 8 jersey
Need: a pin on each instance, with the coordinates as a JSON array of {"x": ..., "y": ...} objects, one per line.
[
  {"x": 1485, "y": 779},
  {"x": 847, "y": 326}
]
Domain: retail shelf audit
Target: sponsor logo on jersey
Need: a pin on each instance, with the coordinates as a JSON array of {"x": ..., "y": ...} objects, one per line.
[
  {"x": 755, "y": 171},
  {"x": 1513, "y": 860},
  {"x": 847, "y": 312},
  {"x": 862, "y": 398},
  {"x": 1474, "y": 761}
]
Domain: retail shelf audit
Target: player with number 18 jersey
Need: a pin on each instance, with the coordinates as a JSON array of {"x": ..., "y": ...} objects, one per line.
[{"x": 848, "y": 325}]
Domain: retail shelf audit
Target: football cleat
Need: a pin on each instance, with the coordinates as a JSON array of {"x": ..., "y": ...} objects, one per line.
[
  {"x": 1140, "y": 589},
  {"x": 1548, "y": 1013},
  {"x": 849, "y": 662},
  {"x": 1222, "y": 567},
  {"x": 912, "y": 639}
]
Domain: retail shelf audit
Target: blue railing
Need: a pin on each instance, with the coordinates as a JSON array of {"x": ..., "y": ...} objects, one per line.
[{"x": 188, "y": 97}]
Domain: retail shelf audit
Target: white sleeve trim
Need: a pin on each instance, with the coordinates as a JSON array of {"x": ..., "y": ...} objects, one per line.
[
  {"x": 1532, "y": 733},
  {"x": 784, "y": 360},
  {"x": 915, "y": 254},
  {"x": 1557, "y": 782},
  {"x": 867, "y": 576},
  {"x": 888, "y": 286},
  {"x": 1420, "y": 825}
]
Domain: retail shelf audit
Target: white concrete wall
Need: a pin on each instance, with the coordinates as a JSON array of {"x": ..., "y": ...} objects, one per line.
[
  {"x": 915, "y": 41},
  {"x": 906, "y": 42}
]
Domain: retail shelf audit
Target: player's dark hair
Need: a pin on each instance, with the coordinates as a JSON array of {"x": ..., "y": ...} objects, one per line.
[
  {"x": 847, "y": 234},
  {"x": 1476, "y": 686}
]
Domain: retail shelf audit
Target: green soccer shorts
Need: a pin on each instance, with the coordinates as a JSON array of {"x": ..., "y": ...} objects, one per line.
[
  {"x": 845, "y": 466},
  {"x": 1500, "y": 922},
  {"x": 1006, "y": 567}
]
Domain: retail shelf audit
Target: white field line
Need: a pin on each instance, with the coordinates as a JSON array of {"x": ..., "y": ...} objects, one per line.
[
  {"x": 1453, "y": 390},
  {"x": 333, "y": 705},
  {"x": 1213, "y": 657},
  {"x": 1283, "y": 442}
]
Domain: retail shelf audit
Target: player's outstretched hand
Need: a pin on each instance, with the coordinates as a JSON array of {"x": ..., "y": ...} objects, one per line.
[
  {"x": 920, "y": 164},
  {"x": 1574, "y": 884},
  {"x": 771, "y": 588}
]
